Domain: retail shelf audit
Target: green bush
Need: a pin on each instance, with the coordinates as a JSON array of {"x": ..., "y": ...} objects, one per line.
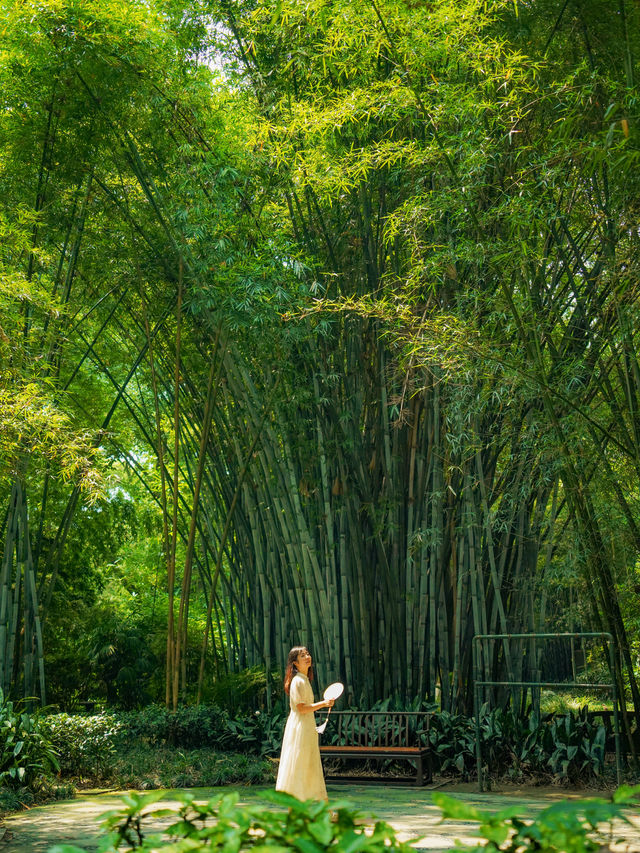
[
  {"x": 453, "y": 743},
  {"x": 47, "y": 788},
  {"x": 86, "y": 745},
  {"x": 223, "y": 824},
  {"x": 577, "y": 747},
  {"x": 189, "y": 727},
  {"x": 564, "y": 827},
  {"x": 145, "y": 767},
  {"x": 26, "y": 750},
  {"x": 569, "y": 748},
  {"x": 193, "y": 727},
  {"x": 257, "y": 733},
  {"x": 134, "y": 749}
]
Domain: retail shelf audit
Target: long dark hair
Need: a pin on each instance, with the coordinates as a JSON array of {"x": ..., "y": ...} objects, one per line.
[{"x": 291, "y": 669}]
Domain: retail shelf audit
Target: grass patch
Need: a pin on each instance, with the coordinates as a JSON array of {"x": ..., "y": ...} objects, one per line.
[
  {"x": 45, "y": 790},
  {"x": 561, "y": 703}
]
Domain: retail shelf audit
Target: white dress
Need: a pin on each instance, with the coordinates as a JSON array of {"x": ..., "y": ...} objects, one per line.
[{"x": 300, "y": 771}]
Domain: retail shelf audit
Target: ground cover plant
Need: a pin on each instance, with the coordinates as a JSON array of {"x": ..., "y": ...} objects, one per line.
[
  {"x": 258, "y": 732},
  {"x": 28, "y": 759},
  {"x": 205, "y": 745},
  {"x": 222, "y": 823},
  {"x": 559, "y": 702},
  {"x": 154, "y": 748},
  {"x": 26, "y": 752},
  {"x": 143, "y": 767},
  {"x": 285, "y": 823},
  {"x": 580, "y": 826},
  {"x": 566, "y": 748}
]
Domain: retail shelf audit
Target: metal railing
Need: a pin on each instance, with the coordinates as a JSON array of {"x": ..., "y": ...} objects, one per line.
[{"x": 478, "y": 684}]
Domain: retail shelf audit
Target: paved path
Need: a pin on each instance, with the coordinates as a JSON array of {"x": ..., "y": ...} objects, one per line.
[{"x": 409, "y": 810}]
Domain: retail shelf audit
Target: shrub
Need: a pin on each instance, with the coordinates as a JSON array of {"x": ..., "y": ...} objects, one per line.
[
  {"x": 258, "y": 733},
  {"x": 26, "y": 751},
  {"x": 142, "y": 766},
  {"x": 564, "y": 827},
  {"x": 576, "y": 746},
  {"x": 453, "y": 743},
  {"x": 193, "y": 727},
  {"x": 46, "y": 789},
  {"x": 189, "y": 727},
  {"x": 133, "y": 749},
  {"x": 223, "y": 824},
  {"x": 86, "y": 745},
  {"x": 569, "y": 748}
]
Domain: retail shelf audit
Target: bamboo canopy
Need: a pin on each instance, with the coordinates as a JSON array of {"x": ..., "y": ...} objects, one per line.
[{"x": 371, "y": 311}]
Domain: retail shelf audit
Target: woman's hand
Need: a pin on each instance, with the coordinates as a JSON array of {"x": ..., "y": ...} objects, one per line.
[{"x": 329, "y": 703}]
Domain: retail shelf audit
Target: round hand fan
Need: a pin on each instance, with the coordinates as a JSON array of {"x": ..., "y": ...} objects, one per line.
[{"x": 333, "y": 691}]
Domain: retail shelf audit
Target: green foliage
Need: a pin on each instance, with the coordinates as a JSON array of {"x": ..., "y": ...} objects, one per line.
[
  {"x": 462, "y": 217},
  {"x": 122, "y": 659},
  {"x": 45, "y": 790},
  {"x": 260, "y": 732},
  {"x": 107, "y": 620},
  {"x": 240, "y": 691},
  {"x": 86, "y": 746},
  {"x": 578, "y": 747},
  {"x": 222, "y": 823},
  {"x": 206, "y": 726},
  {"x": 459, "y": 206},
  {"x": 27, "y": 752},
  {"x": 569, "y": 748},
  {"x": 156, "y": 748},
  {"x": 102, "y": 745},
  {"x": 140, "y": 766},
  {"x": 452, "y": 738},
  {"x": 564, "y": 827},
  {"x": 189, "y": 727}
]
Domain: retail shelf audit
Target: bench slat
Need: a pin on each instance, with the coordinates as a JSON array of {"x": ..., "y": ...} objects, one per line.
[{"x": 374, "y": 750}]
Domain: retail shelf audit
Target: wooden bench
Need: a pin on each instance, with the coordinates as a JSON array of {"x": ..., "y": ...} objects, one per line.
[{"x": 380, "y": 735}]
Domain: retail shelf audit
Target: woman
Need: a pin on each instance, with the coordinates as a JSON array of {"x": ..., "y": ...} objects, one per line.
[{"x": 300, "y": 771}]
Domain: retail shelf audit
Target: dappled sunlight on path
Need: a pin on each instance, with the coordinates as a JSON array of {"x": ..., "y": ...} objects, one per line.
[{"x": 409, "y": 810}]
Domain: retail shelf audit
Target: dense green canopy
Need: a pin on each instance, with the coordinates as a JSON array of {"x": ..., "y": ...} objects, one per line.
[{"x": 319, "y": 324}]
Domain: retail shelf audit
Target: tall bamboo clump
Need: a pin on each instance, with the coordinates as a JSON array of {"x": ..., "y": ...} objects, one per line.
[
  {"x": 392, "y": 470},
  {"x": 400, "y": 500},
  {"x": 390, "y": 513},
  {"x": 372, "y": 540},
  {"x": 91, "y": 269},
  {"x": 19, "y": 592}
]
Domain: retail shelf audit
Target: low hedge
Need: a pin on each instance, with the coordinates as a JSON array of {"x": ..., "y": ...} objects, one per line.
[
  {"x": 565, "y": 749},
  {"x": 189, "y": 727},
  {"x": 85, "y": 746},
  {"x": 89, "y": 746}
]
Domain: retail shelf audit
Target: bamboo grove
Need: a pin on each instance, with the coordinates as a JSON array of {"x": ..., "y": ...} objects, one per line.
[{"x": 352, "y": 289}]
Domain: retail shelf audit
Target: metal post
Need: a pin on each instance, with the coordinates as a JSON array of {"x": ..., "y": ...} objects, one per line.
[
  {"x": 616, "y": 720},
  {"x": 476, "y": 713},
  {"x": 480, "y": 683}
]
